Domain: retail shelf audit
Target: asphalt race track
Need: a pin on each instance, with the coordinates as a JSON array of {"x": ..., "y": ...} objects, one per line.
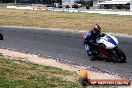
[{"x": 63, "y": 45}]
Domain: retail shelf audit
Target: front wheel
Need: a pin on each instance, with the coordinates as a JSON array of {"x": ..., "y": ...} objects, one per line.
[{"x": 119, "y": 56}]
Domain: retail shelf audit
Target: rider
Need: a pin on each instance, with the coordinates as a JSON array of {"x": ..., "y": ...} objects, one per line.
[{"x": 90, "y": 40}]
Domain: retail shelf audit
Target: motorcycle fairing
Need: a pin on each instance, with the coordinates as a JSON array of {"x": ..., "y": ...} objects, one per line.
[{"x": 109, "y": 41}]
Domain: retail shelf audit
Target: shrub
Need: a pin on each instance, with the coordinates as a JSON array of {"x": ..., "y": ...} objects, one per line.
[
  {"x": 50, "y": 5},
  {"x": 67, "y": 6},
  {"x": 60, "y": 6},
  {"x": 74, "y": 6},
  {"x": 87, "y": 7}
]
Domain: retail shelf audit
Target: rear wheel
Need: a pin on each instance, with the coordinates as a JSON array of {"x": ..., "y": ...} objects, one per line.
[{"x": 119, "y": 56}]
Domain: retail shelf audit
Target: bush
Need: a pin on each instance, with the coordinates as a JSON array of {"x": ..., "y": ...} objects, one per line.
[
  {"x": 60, "y": 6},
  {"x": 87, "y": 7},
  {"x": 67, "y": 6},
  {"x": 74, "y": 6},
  {"x": 50, "y": 5}
]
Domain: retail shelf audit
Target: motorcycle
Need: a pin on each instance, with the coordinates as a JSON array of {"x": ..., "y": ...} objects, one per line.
[{"x": 108, "y": 49}]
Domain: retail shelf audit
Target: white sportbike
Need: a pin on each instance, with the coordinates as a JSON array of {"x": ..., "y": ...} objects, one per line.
[{"x": 108, "y": 49}]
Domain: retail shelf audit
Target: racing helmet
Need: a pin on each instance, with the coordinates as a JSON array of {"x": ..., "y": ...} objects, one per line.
[{"x": 97, "y": 29}]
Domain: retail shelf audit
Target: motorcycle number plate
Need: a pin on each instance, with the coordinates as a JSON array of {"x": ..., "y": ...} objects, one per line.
[{"x": 87, "y": 47}]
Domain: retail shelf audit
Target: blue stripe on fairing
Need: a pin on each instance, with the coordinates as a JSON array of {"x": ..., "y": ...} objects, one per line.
[{"x": 112, "y": 41}]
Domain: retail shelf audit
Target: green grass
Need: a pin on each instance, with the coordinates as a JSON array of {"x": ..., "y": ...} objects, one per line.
[
  {"x": 24, "y": 74},
  {"x": 63, "y": 20},
  {"x": 10, "y": 4},
  {"x": 16, "y": 73}
]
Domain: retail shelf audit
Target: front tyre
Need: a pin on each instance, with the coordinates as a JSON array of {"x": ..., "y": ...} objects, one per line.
[{"x": 119, "y": 56}]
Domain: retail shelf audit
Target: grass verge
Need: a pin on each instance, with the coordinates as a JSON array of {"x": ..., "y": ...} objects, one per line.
[
  {"x": 16, "y": 73},
  {"x": 24, "y": 74},
  {"x": 63, "y": 20}
]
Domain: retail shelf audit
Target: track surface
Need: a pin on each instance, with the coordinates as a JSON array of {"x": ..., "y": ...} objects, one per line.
[{"x": 63, "y": 45}]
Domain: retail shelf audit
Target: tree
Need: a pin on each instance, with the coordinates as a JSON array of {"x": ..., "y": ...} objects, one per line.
[
  {"x": 32, "y": 1},
  {"x": 15, "y": 1},
  {"x": 6, "y": 1}
]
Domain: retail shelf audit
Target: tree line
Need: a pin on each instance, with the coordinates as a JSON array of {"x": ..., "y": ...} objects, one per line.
[{"x": 32, "y": 1}]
